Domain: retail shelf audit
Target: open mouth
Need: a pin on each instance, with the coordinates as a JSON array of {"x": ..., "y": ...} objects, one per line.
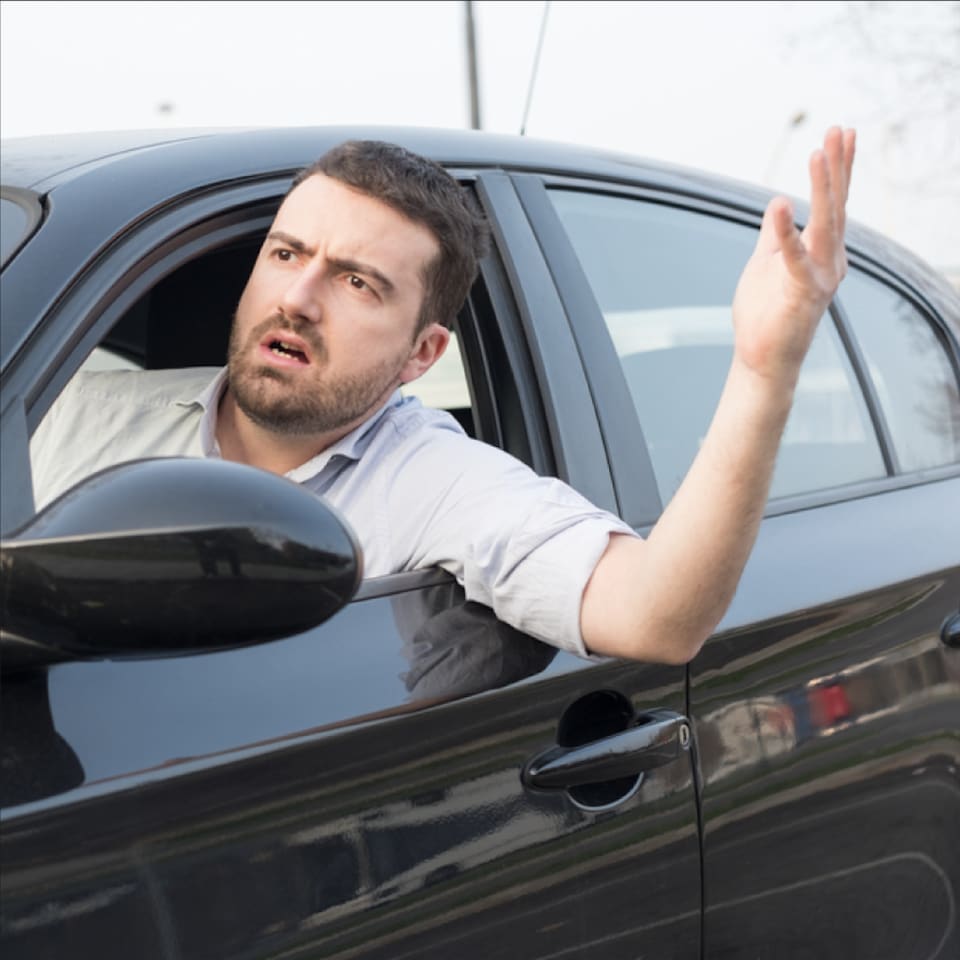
[
  {"x": 282, "y": 349},
  {"x": 289, "y": 351}
]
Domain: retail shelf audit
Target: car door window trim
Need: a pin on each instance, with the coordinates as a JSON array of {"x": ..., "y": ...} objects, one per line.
[
  {"x": 865, "y": 381},
  {"x": 122, "y": 271},
  {"x": 942, "y": 336},
  {"x": 571, "y": 420},
  {"x": 637, "y": 493}
]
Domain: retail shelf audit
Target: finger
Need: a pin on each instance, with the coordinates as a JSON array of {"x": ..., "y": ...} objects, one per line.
[
  {"x": 833, "y": 147},
  {"x": 772, "y": 228},
  {"x": 789, "y": 242},
  {"x": 841, "y": 163},
  {"x": 822, "y": 231},
  {"x": 849, "y": 150}
]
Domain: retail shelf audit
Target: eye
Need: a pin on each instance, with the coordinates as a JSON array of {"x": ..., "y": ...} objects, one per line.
[
  {"x": 283, "y": 254},
  {"x": 358, "y": 283}
]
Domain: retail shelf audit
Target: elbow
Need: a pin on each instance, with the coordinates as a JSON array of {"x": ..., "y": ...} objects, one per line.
[
  {"x": 648, "y": 644},
  {"x": 681, "y": 653},
  {"x": 676, "y": 648},
  {"x": 683, "y": 643}
]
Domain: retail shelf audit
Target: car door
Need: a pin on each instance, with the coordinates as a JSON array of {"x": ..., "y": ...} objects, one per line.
[
  {"x": 826, "y": 706},
  {"x": 412, "y": 778}
]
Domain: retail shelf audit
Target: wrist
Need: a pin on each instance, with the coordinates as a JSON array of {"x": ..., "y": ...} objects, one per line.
[{"x": 771, "y": 386}]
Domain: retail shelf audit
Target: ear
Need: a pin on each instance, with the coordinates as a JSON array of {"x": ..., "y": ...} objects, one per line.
[{"x": 428, "y": 348}]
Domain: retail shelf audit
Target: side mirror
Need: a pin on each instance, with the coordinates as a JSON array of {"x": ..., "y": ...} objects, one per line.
[{"x": 171, "y": 556}]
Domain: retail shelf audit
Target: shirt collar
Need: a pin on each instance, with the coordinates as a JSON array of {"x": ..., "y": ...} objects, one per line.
[
  {"x": 209, "y": 400},
  {"x": 350, "y": 447}
]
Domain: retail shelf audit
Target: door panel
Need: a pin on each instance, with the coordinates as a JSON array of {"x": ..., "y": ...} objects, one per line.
[
  {"x": 354, "y": 791},
  {"x": 831, "y": 795},
  {"x": 826, "y": 707}
]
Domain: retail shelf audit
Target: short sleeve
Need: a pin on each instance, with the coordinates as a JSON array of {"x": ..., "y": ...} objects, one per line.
[{"x": 520, "y": 543}]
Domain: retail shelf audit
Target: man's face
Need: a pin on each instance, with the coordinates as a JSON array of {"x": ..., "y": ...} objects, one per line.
[{"x": 325, "y": 327}]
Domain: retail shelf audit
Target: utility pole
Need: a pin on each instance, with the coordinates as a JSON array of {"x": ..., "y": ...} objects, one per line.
[
  {"x": 475, "y": 123},
  {"x": 536, "y": 67}
]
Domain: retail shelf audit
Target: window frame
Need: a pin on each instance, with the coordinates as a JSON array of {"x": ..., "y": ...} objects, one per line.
[
  {"x": 604, "y": 372},
  {"x": 500, "y": 362},
  {"x": 637, "y": 493},
  {"x": 869, "y": 271},
  {"x": 557, "y": 383},
  {"x": 496, "y": 347}
]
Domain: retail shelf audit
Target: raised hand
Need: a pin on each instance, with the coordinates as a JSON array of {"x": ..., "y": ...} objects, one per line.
[{"x": 792, "y": 276}]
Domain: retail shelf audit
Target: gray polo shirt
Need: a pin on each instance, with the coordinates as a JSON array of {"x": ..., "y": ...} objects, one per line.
[{"x": 416, "y": 489}]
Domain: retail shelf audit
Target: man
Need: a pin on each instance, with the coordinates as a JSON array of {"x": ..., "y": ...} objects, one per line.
[{"x": 364, "y": 267}]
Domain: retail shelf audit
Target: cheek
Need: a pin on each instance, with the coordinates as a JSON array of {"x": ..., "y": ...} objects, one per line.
[
  {"x": 241, "y": 322},
  {"x": 254, "y": 304},
  {"x": 356, "y": 350},
  {"x": 254, "y": 291}
]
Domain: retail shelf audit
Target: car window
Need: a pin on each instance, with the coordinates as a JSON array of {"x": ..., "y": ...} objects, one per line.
[
  {"x": 185, "y": 320},
  {"x": 664, "y": 279},
  {"x": 915, "y": 381},
  {"x": 103, "y": 358},
  {"x": 444, "y": 385}
]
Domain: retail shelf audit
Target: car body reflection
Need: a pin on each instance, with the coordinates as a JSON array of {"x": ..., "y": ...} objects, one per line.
[{"x": 836, "y": 786}]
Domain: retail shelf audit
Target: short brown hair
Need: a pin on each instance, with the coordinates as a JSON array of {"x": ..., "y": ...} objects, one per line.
[{"x": 423, "y": 192}]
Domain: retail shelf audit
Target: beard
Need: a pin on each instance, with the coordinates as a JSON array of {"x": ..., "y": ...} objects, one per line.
[{"x": 293, "y": 404}]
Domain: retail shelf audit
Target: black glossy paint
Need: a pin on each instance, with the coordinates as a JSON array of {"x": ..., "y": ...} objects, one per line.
[
  {"x": 358, "y": 803},
  {"x": 172, "y": 556},
  {"x": 830, "y": 756}
]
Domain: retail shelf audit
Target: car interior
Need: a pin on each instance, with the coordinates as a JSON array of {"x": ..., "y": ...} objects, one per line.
[{"x": 185, "y": 320}]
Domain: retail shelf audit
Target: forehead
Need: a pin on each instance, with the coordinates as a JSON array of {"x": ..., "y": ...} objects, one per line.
[{"x": 332, "y": 218}]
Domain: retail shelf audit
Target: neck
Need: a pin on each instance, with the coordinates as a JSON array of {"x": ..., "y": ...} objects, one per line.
[{"x": 243, "y": 441}]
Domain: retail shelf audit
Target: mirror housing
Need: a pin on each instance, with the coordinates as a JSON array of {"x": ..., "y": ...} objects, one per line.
[{"x": 171, "y": 556}]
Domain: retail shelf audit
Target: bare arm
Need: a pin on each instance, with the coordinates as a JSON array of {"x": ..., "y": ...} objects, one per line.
[{"x": 659, "y": 599}]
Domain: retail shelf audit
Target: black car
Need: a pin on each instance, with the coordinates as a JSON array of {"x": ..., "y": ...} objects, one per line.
[{"x": 202, "y": 757}]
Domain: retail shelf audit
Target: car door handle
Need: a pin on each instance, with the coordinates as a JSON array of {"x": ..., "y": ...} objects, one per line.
[{"x": 660, "y": 737}]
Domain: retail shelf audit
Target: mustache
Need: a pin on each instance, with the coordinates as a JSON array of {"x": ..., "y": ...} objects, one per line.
[{"x": 304, "y": 329}]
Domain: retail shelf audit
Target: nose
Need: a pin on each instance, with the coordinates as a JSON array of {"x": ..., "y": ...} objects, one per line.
[{"x": 301, "y": 298}]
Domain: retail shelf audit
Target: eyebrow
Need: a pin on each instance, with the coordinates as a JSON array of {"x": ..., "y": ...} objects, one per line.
[{"x": 340, "y": 263}]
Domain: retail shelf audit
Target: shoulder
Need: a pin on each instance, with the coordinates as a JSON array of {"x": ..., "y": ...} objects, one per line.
[
  {"x": 410, "y": 432},
  {"x": 145, "y": 388},
  {"x": 407, "y": 416},
  {"x": 108, "y": 417}
]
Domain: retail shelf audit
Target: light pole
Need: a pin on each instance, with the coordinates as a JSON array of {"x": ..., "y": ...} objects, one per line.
[
  {"x": 795, "y": 122},
  {"x": 472, "y": 77}
]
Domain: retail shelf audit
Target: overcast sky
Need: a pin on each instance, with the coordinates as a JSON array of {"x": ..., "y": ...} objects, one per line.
[{"x": 744, "y": 89}]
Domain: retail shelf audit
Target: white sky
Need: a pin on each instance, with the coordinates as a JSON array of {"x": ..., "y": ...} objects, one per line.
[{"x": 712, "y": 85}]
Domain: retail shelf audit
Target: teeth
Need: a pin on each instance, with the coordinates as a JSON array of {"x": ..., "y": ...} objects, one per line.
[{"x": 283, "y": 350}]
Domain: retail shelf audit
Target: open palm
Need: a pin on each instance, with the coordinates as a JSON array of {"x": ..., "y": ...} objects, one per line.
[{"x": 792, "y": 276}]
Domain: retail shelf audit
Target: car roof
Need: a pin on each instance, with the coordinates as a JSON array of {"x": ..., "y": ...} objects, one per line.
[
  {"x": 39, "y": 163},
  {"x": 28, "y": 161},
  {"x": 149, "y": 166}
]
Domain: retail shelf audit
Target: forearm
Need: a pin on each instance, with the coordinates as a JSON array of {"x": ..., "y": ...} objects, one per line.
[
  {"x": 659, "y": 599},
  {"x": 704, "y": 538}
]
